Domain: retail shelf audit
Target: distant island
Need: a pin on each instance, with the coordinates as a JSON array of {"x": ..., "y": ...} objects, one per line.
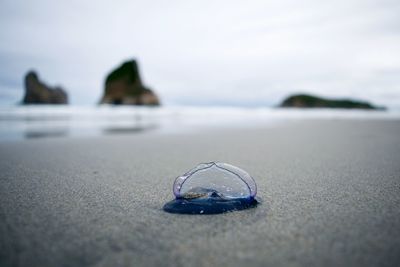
[
  {"x": 310, "y": 101},
  {"x": 123, "y": 86},
  {"x": 37, "y": 92}
]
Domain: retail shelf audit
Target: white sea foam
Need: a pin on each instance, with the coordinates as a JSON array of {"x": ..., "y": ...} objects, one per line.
[{"x": 19, "y": 122}]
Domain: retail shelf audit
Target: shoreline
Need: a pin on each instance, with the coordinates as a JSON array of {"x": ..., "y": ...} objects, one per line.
[{"x": 20, "y": 123}]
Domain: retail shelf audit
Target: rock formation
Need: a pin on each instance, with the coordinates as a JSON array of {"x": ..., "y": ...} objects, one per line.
[
  {"x": 36, "y": 92},
  {"x": 124, "y": 86},
  {"x": 309, "y": 101}
]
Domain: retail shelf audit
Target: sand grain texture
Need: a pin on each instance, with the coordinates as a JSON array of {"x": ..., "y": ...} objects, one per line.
[{"x": 331, "y": 192}]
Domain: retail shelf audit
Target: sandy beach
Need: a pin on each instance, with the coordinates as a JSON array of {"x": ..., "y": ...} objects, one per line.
[{"x": 330, "y": 190}]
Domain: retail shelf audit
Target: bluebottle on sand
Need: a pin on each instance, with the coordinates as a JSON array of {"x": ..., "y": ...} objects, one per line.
[{"x": 212, "y": 188}]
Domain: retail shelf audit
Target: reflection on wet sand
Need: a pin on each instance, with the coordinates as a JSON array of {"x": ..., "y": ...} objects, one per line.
[
  {"x": 31, "y": 134},
  {"x": 129, "y": 130},
  {"x": 111, "y": 130}
]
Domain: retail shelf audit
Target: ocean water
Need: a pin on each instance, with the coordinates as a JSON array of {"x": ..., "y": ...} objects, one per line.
[{"x": 29, "y": 122}]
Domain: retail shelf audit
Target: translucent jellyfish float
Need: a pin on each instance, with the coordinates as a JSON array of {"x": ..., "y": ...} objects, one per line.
[{"x": 213, "y": 188}]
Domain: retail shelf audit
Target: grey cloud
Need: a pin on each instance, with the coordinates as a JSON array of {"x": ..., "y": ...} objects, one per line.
[{"x": 208, "y": 52}]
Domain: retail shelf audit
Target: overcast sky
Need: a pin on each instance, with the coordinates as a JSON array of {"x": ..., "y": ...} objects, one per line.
[{"x": 206, "y": 52}]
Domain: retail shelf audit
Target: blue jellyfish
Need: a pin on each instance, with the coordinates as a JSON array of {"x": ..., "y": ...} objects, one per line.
[{"x": 212, "y": 188}]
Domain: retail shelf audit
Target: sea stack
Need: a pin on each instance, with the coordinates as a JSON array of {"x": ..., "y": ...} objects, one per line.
[
  {"x": 310, "y": 101},
  {"x": 37, "y": 92},
  {"x": 123, "y": 86}
]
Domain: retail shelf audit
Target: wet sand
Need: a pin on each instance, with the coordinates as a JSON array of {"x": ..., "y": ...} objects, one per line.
[{"x": 330, "y": 190}]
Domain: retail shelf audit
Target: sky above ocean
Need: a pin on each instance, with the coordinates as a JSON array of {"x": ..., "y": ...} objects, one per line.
[{"x": 242, "y": 53}]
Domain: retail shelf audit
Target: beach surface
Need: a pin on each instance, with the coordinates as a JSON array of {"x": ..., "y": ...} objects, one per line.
[{"x": 330, "y": 191}]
